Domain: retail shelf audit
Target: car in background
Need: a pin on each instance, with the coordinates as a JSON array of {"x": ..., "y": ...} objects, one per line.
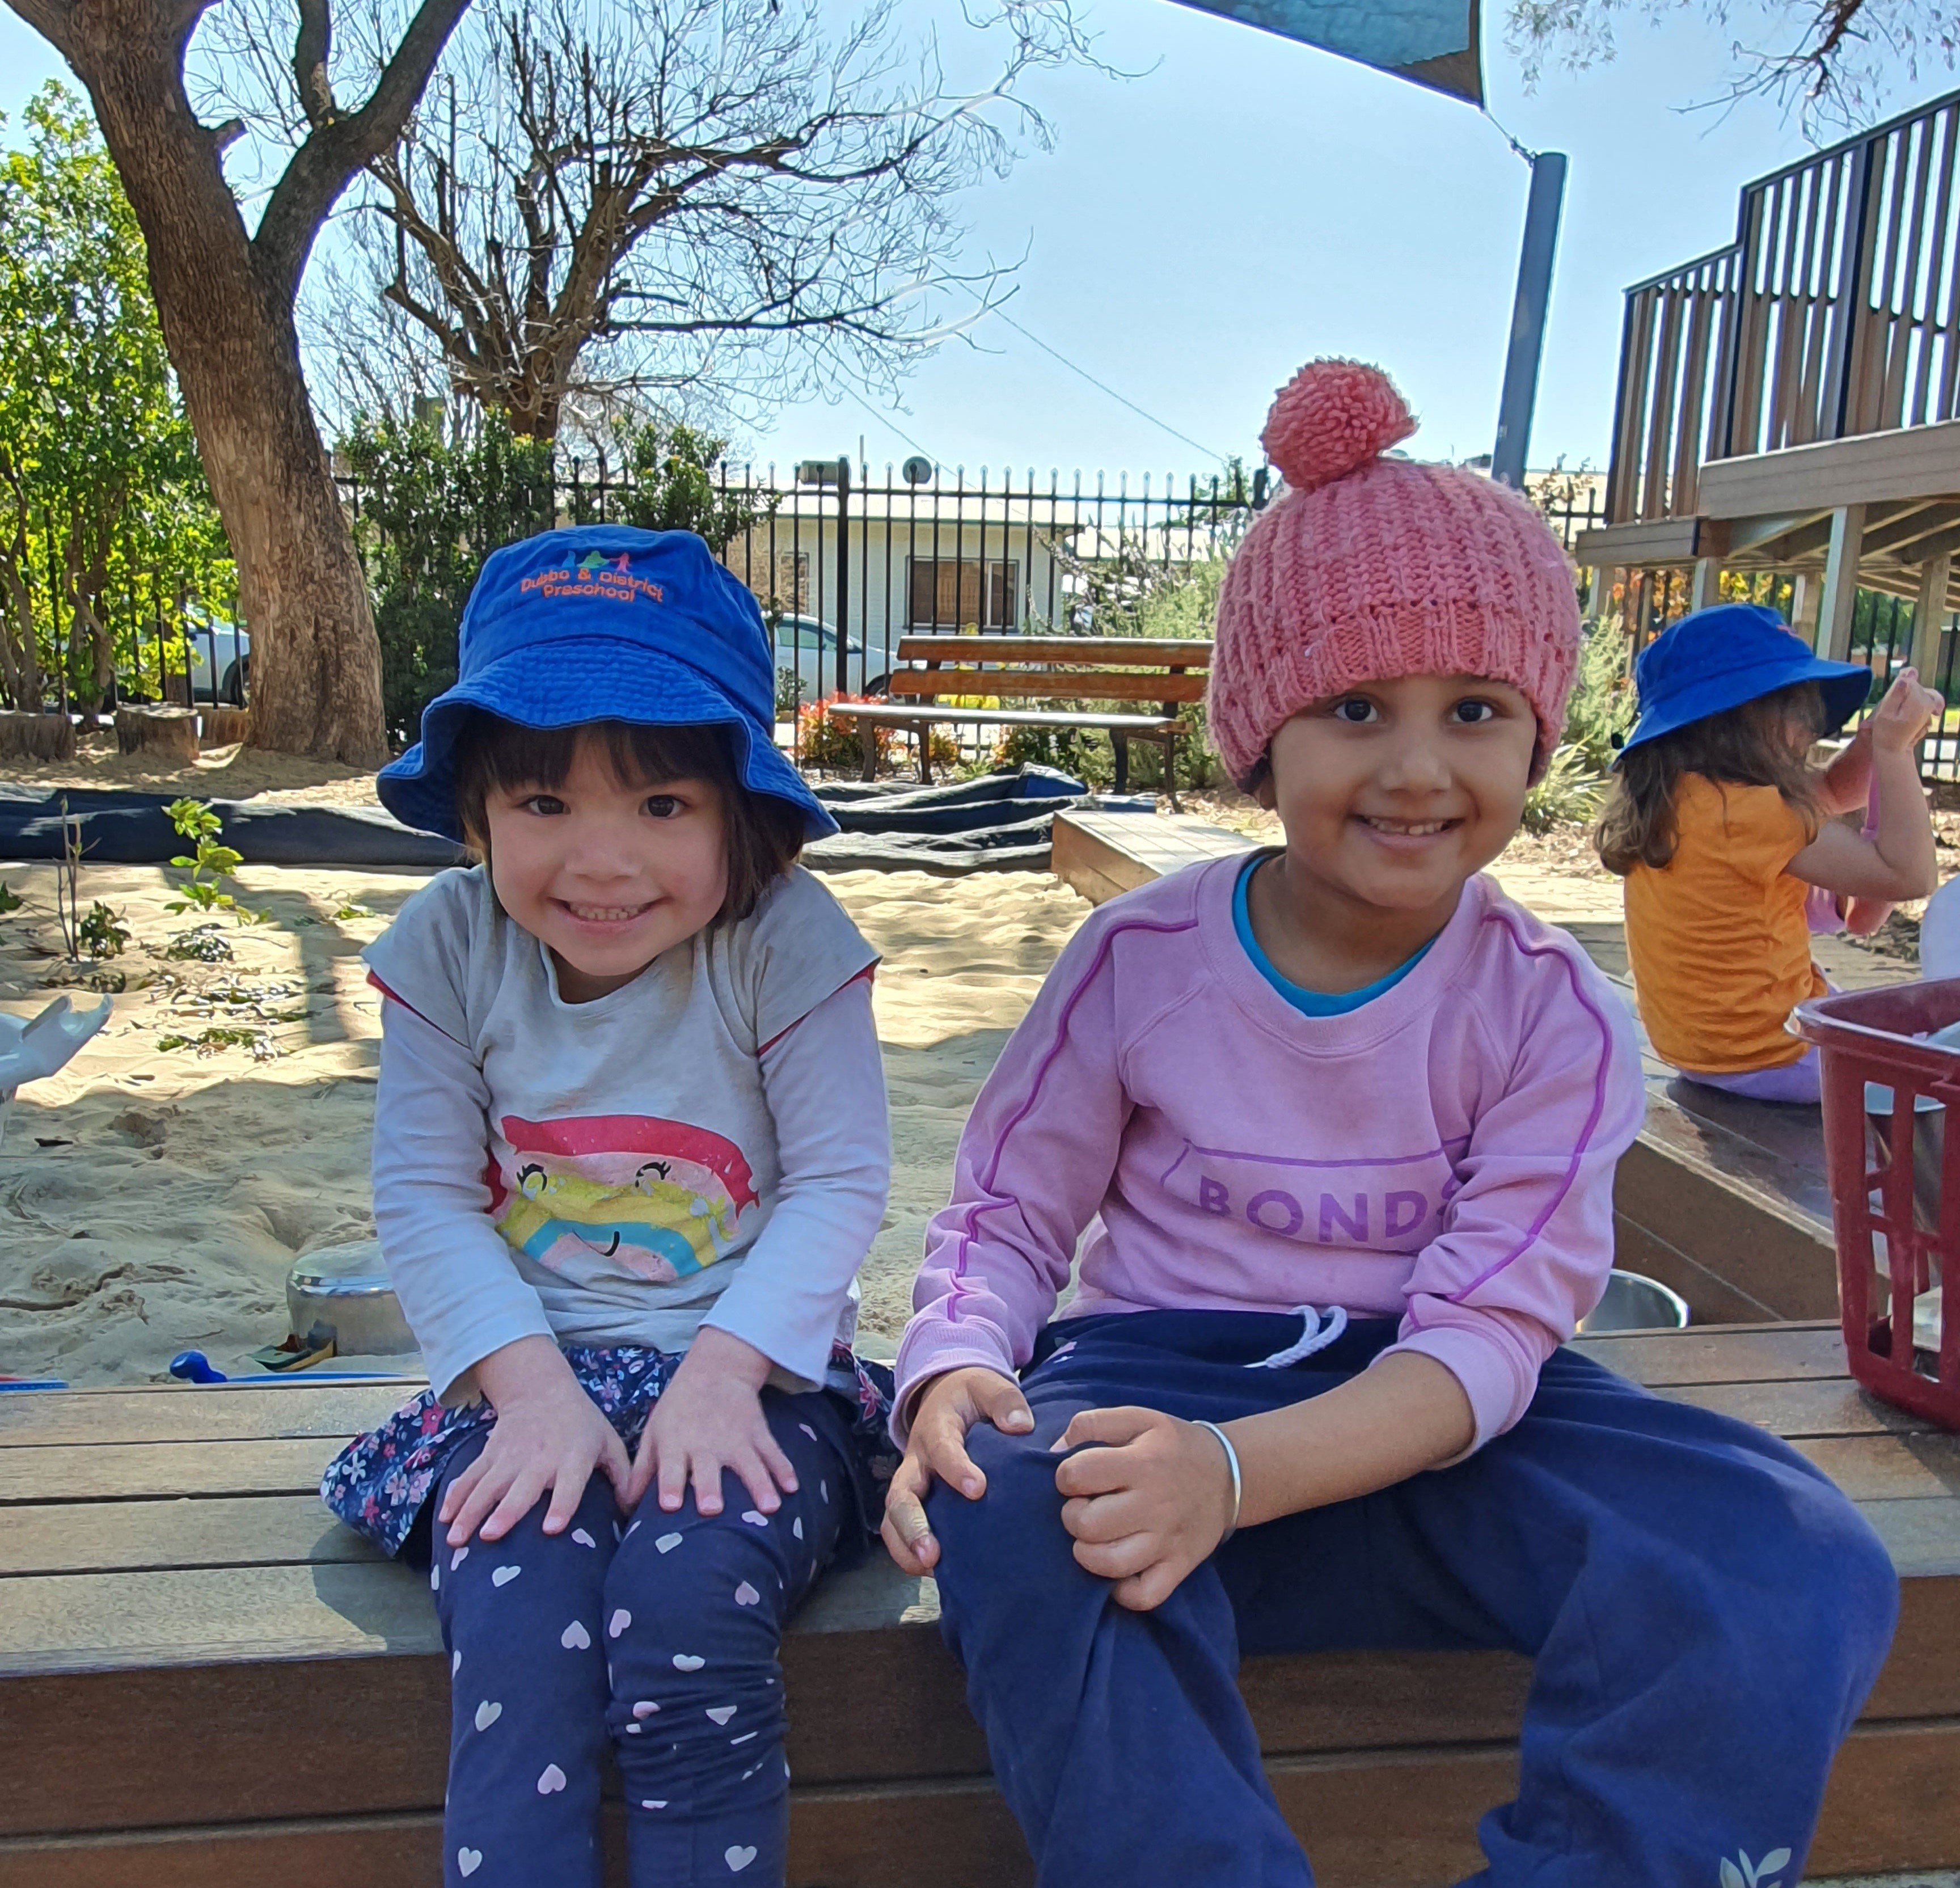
[
  {"x": 220, "y": 653},
  {"x": 806, "y": 647}
]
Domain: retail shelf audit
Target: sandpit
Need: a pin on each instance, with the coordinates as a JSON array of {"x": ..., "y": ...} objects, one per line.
[{"x": 152, "y": 1199}]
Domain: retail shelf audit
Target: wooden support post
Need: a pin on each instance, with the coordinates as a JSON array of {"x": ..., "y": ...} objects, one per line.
[
  {"x": 1840, "y": 584},
  {"x": 1706, "y": 588},
  {"x": 1599, "y": 592},
  {"x": 1929, "y": 616},
  {"x": 1806, "y": 593}
]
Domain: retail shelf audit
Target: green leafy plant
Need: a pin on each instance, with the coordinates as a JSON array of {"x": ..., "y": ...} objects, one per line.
[
  {"x": 1567, "y": 793},
  {"x": 9, "y": 900},
  {"x": 101, "y": 933},
  {"x": 210, "y": 863},
  {"x": 222, "y": 1036},
  {"x": 202, "y": 944}
]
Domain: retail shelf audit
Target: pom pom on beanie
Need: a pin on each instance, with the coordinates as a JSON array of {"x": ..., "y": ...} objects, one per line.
[
  {"x": 1367, "y": 568},
  {"x": 1330, "y": 419}
]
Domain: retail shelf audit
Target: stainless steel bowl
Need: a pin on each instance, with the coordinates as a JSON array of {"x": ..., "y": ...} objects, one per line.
[
  {"x": 1635, "y": 1303},
  {"x": 345, "y": 1289}
]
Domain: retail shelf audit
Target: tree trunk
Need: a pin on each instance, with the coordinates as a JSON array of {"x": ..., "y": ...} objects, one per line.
[{"x": 315, "y": 662}]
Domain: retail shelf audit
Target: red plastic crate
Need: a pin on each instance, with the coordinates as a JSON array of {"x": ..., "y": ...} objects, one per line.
[{"x": 1869, "y": 1036}]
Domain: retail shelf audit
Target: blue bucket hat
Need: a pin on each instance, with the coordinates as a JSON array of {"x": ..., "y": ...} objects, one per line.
[
  {"x": 1716, "y": 659},
  {"x": 604, "y": 623}
]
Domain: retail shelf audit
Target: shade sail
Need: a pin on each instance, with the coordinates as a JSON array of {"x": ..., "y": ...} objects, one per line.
[{"x": 1433, "y": 42}]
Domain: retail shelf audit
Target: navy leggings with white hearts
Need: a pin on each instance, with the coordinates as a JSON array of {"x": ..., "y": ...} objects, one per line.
[{"x": 659, "y": 1634}]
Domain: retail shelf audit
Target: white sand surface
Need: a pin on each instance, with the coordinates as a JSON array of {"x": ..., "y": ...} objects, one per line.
[{"x": 153, "y": 1198}]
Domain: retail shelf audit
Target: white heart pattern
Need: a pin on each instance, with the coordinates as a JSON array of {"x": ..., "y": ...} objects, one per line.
[
  {"x": 668, "y": 1542},
  {"x": 755, "y": 1519},
  {"x": 503, "y": 1576},
  {"x": 688, "y": 1662},
  {"x": 458, "y": 1558},
  {"x": 468, "y": 1861},
  {"x": 455, "y": 1663},
  {"x": 486, "y": 1714},
  {"x": 552, "y": 1782},
  {"x": 721, "y": 1713},
  {"x": 807, "y": 1431},
  {"x": 435, "y": 1578},
  {"x": 582, "y": 1538},
  {"x": 645, "y": 1708},
  {"x": 618, "y": 1623},
  {"x": 746, "y": 1596},
  {"x": 737, "y": 1857},
  {"x": 574, "y": 1638},
  {"x": 823, "y": 1489},
  {"x": 649, "y": 1803},
  {"x": 796, "y": 1527}
]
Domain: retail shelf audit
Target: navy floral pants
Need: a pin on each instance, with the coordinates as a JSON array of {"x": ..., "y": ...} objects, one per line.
[{"x": 658, "y": 1634}]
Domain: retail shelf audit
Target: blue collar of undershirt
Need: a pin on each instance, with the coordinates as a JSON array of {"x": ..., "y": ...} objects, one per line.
[{"x": 1308, "y": 1002}]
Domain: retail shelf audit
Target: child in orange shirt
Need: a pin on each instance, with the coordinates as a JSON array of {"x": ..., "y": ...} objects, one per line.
[{"x": 1720, "y": 829}]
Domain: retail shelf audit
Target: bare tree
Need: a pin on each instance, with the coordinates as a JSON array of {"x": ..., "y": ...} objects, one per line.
[
  {"x": 705, "y": 195},
  {"x": 1834, "y": 60},
  {"x": 225, "y": 297}
]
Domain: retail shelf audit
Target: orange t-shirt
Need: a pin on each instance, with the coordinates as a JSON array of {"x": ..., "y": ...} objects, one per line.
[{"x": 1717, "y": 939}]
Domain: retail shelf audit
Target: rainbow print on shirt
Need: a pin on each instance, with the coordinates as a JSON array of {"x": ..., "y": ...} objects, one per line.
[{"x": 659, "y": 1198}]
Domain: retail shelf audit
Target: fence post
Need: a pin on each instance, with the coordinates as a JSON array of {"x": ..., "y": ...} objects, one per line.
[
  {"x": 843, "y": 576},
  {"x": 1853, "y": 285}
]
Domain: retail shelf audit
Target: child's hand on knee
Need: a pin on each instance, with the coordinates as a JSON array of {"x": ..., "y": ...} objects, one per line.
[
  {"x": 936, "y": 1450},
  {"x": 1147, "y": 1506},
  {"x": 709, "y": 1419},
  {"x": 549, "y": 1435}
]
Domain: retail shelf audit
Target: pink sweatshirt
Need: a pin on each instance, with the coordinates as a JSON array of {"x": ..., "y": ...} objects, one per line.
[{"x": 1444, "y": 1154}]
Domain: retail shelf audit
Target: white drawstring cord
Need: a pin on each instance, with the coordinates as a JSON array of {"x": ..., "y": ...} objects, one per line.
[{"x": 1320, "y": 1332}]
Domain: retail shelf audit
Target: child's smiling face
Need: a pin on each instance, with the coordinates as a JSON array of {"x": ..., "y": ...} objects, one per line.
[
  {"x": 1393, "y": 793},
  {"x": 607, "y": 873}
]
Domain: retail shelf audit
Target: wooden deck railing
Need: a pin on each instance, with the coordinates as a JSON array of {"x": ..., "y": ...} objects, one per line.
[{"x": 1835, "y": 311}]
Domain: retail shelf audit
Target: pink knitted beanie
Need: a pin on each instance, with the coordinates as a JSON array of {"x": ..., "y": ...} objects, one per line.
[{"x": 1366, "y": 569}]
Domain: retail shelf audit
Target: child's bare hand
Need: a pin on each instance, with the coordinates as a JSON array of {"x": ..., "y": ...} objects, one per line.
[
  {"x": 1147, "y": 1506},
  {"x": 709, "y": 1419},
  {"x": 549, "y": 1435},
  {"x": 936, "y": 1450},
  {"x": 1900, "y": 721}
]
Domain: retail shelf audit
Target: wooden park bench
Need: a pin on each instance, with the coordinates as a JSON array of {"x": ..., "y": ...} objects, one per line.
[
  {"x": 206, "y": 1682},
  {"x": 931, "y": 669}
]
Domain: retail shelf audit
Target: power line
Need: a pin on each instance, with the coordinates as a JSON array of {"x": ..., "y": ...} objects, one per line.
[
  {"x": 885, "y": 419},
  {"x": 1103, "y": 387}
]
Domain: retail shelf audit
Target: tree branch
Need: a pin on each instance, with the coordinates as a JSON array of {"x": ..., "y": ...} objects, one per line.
[
  {"x": 311, "y": 49},
  {"x": 323, "y": 166}
]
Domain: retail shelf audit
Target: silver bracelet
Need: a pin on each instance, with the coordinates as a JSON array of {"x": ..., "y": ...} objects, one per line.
[{"x": 1238, "y": 1486}]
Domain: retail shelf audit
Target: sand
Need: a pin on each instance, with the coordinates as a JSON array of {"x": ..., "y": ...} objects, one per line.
[
  {"x": 220, "y": 773},
  {"x": 152, "y": 1199}
]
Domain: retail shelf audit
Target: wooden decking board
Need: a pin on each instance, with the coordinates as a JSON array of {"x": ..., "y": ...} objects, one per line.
[
  {"x": 216, "y": 1412},
  {"x": 196, "y": 1662},
  {"x": 1724, "y": 1354},
  {"x": 88, "y": 1537},
  {"x": 1404, "y": 1819}
]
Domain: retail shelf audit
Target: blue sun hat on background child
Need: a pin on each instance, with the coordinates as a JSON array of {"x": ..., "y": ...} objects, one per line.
[
  {"x": 1717, "y": 659},
  {"x": 604, "y": 622}
]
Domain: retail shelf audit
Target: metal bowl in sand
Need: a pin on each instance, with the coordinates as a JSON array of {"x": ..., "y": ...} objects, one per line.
[
  {"x": 345, "y": 1289},
  {"x": 1635, "y": 1303}
]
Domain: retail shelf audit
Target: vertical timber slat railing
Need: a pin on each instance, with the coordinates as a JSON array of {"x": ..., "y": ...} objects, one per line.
[{"x": 1835, "y": 312}]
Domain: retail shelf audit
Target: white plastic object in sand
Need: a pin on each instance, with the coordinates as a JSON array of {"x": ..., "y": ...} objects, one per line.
[
  {"x": 31, "y": 1050},
  {"x": 1940, "y": 933}
]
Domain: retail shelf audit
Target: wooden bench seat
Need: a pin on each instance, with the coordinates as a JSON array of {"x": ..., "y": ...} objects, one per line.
[
  {"x": 1039, "y": 668},
  {"x": 206, "y": 1682}
]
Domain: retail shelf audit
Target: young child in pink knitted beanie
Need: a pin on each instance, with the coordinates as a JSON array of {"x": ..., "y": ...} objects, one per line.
[{"x": 1325, "y": 1136}]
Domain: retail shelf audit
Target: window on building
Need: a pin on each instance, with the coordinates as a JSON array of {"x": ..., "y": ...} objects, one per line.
[{"x": 946, "y": 593}]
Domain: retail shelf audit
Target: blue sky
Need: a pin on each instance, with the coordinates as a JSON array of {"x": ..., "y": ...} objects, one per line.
[{"x": 1249, "y": 203}]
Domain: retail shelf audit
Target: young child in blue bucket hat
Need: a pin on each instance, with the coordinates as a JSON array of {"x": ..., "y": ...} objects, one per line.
[
  {"x": 630, "y": 1149},
  {"x": 1720, "y": 828}
]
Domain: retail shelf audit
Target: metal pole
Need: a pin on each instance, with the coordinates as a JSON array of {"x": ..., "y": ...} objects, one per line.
[
  {"x": 1514, "y": 410},
  {"x": 843, "y": 575}
]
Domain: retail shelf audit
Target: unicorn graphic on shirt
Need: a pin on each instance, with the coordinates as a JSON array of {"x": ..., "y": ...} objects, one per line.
[{"x": 661, "y": 1199}]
